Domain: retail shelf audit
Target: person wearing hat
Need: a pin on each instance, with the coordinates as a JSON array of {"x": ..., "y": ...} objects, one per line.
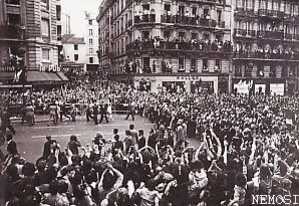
[
  {"x": 11, "y": 145},
  {"x": 47, "y": 147},
  {"x": 180, "y": 131}
]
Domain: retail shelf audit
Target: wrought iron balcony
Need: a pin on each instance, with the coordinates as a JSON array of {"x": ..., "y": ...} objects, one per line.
[
  {"x": 265, "y": 34},
  {"x": 270, "y": 13},
  {"x": 11, "y": 32},
  {"x": 15, "y": 2},
  {"x": 145, "y": 18},
  {"x": 267, "y": 55},
  {"x": 191, "y": 21},
  {"x": 178, "y": 46}
]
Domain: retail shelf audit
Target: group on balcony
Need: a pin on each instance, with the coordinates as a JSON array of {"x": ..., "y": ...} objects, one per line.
[
  {"x": 268, "y": 53},
  {"x": 203, "y": 20},
  {"x": 145, "y": 16},
  {"x": 203, "y": 45}
]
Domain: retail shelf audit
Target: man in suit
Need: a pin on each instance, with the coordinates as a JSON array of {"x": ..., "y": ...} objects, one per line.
[
  {"x": 131, "y": 110},
  {"x": 103, "y": 110},
  {"x": 11, "y": 145},
  {"x": 47, "y": 147},
  {"x": 5, "y": 122},
  {"x": 95, "y": 110}
]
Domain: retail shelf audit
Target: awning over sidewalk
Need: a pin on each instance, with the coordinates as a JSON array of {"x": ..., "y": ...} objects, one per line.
[
  {"x": 62, "y": 76},
  {"x": 37, "y": 77},
  {"x": 7, "y": 76}
]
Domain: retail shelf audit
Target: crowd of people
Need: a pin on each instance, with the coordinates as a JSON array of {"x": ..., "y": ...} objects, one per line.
[
  {"x": 247, "y": 146},
  {"x": 268, "y": 53},
  {"x": 205, "y": 45}
]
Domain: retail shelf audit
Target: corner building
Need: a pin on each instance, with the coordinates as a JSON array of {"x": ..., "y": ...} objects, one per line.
[
  {"x": 175, "y": 44},
  {"x": 30, "y": 30},
  {"x": 266, "y": 43}
]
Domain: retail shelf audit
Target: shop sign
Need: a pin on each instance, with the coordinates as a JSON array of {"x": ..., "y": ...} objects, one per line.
[{"x": 49, "y": 68}]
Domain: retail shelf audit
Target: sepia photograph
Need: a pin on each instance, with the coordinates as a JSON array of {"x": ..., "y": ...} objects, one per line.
[{"x": 149, "y": 102}]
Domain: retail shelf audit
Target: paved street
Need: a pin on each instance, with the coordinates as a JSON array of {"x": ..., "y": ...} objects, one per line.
[{"x": 30, "y": 140}]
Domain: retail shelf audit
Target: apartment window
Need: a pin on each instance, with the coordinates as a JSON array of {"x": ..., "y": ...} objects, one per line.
[
  {"x": 146, "y": 63},
  {"x": 14, "y": 19},
  {"x": 194, "y": 35},
  {"x": 182, "y": 34},
  {"x": 58, "y": 12},
  {"x": 167, "y": 7},
  {"x": 269, "y": 5},
  {"x": 90, "y": 41},
  {"x": 90, "y": 50},
  {"x": 250, "y": 4},
  {"x": 263, "y": 4},
  {"x": 239, "y": 3},
  {"x": 205, "y": 65},
  {"x": 219, "y": 14},
  {"x": 91, "y": 60},
  {"x": 194, "y": 11},
  {"x": 206, "y": 36},
  {"x": 181, "y": 10},
  {"x": 145, "y": 35},
  {"x": 296, "y": 10},
  {"x": 45, "y": 54},
  {"x": 166, "y": 34},
  {"x": 193, "y": 65},
  {"x": 15, "y": 2},
  {"x": 45, "y": 27},
  {"x": 206, "y": 12},
  {"x": 146, "y": 7},
  {"x": 76, "y": 57},
  {"x": 90, "y": 32},
  {"x": 181, "y": 64},
  {"x": 288, "y": 8},
  {"x": 46, "y": 2},
  {"x": 217, "y": 65},
  {"x": 90, "y": 22},
  {"x": 75, "y": 46}
]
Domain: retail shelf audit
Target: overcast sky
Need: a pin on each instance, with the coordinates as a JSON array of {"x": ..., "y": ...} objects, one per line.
[{"x": 76, "y": 9}]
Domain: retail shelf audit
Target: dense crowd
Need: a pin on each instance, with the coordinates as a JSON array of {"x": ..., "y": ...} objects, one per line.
[{"x": 248, "y": 146}]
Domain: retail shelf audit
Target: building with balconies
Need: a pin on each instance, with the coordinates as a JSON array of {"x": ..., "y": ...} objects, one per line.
[
  {"x": 266, "y": 45},
  {"x": 29, "y": 40},
  {"x": 167, "y": 43},
  {"x": 91, "y": 37}
]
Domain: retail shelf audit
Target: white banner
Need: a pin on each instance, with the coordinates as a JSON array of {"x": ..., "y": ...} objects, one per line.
[
  {"x": 242, "y": 87},
  {"x": 277, "y": 89}
]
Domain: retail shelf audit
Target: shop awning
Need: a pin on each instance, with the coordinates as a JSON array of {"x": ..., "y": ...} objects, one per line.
[
  {"x": 62, "y": 76},
  {"x": 6, "y": 76},
  {"x": 43, "y": 77}
]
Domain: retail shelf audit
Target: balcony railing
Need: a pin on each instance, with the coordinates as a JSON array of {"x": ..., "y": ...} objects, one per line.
[
  {"x": 11, "y": 32},
  {"x": 270, "y": 13},
  {"x": 195, "y": 46},
  {"x": 145, "y": 18},
  {"x": 274, "y": 54},
  {"x": 195, "y": 21},
  {"x": 15, "y": 2},
  {"x": 206, "y": 1},
  {"x": 265, "y": 34}
]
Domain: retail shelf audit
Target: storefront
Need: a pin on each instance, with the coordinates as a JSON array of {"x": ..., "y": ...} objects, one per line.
[
  {"x": 184, "y": 82},
  {"x": 264, "y": 86}
]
